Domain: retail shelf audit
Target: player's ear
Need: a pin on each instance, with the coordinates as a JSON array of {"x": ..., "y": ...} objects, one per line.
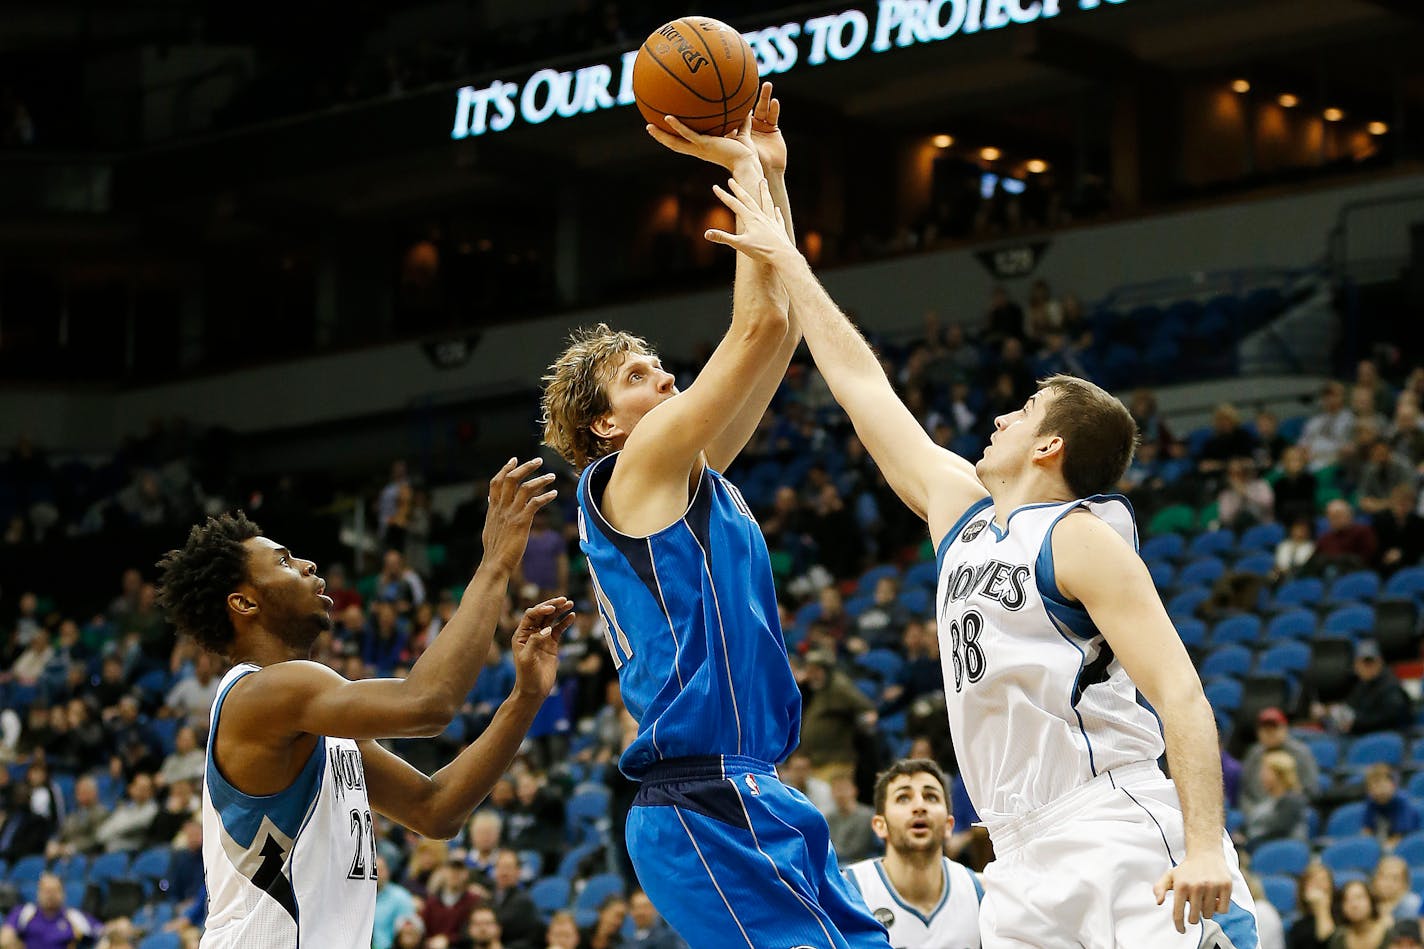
[
  {"x": 242, "y": 604},
  {"x": 605, "y": 427},
  {"x": 1047, "y": 448},
  {"x": 877, "y": 824}
]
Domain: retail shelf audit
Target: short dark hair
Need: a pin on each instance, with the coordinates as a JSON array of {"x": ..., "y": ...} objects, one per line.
[
  {"x": 194, "y": 582},
  {"x": 902, "y": 767},
  {"x": 1099, "y": 433}
]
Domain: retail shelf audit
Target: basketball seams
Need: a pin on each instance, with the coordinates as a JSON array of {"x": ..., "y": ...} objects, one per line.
[
  {"x": 684, "y": 118},
  {"x": 712, "y": 59},
  {"x": 678, "y": 79}
]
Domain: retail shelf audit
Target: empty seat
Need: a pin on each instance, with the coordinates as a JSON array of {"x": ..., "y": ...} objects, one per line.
[
  {"x": 1164, "y": 547},
  {"x": 1349, "y": 620},
  {"x": 1382, "y": 748},
  {"x": 1262, "y": 538},
  {"x": 1223, "y": 694},
  {"x": 1186, "y": 602},
  {"x": 1287, "y": 657},
  {"x": 1202, "y": 571},
  {"x": 1211, "y": 544},
  {"x": 1306, "y": 591},
  {"x": 1362, "y": 586},
  {"x": 1346, "y": 820},
  {"x": 1354, "y": 853},
  {"x": 1245, "y": 628},
  {"x": 1288, "y": 857},
  {"x": 1227, "y": 661},
  {"x": 1292, "y": 624}
]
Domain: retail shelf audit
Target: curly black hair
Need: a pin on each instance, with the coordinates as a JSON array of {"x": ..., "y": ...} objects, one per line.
[{"x": 194, "y": 582}]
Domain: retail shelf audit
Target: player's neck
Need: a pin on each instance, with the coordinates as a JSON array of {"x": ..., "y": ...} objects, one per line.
[
  {"x": 917, "y": 877},
  {"x": 262, "y": 648},
  {"x": 1031, "y": 487}
]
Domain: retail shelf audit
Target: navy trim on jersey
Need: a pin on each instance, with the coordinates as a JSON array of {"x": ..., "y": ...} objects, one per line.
[
  {"x": 1073, "y": 695},
  {"x": 241, "y": 814},
  {"x": 895, "y": 895},
  {"x": 974, "y": 510},
  {"x": 614, "y": 534},
  {"x": 1071, "y": 615},
  {"x": 1002, "y": 535},
  {"x": 978, "y": 886}
]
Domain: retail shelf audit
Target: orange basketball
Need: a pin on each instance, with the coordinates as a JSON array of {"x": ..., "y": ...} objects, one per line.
[{"x": 701, "y": 71}]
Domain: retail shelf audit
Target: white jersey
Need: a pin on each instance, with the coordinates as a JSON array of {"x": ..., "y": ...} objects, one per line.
[
  {"x": 295, "y": 869},
  {"x": 1038, "y": 704},
  {"x": 954, "y": 924}
]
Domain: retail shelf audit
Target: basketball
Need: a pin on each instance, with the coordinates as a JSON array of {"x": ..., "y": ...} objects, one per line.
[{"x": 701, "y": 71}]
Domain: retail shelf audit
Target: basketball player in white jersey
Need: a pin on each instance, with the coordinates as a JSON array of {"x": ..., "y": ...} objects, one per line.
[
  {"x": 294, "y": 771},
  {"x": 922, "y": 898},
  {"x": 1049, "y": 629}
]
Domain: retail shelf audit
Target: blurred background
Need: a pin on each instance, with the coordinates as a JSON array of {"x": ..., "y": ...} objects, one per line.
[{"x": 296, "y": 259}]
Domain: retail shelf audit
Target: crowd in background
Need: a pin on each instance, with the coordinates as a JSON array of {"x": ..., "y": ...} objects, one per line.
[{"x": 106, "y": 712}]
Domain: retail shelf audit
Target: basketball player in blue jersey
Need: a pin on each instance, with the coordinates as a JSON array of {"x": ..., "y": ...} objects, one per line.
[
  {"x": 681, "y": 574},
  {"x": 294, "y": 770},
  {"x": 1049, "y": 627}
]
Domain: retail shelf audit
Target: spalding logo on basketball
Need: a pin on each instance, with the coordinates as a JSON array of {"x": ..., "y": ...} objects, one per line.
[{"x": 973, "y": 531}]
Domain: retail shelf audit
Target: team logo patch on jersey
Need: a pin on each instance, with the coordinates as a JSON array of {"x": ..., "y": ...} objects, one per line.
[
  {"x": 752, "y": 784},
  {"x": 885, "y": 917},
  {"x": 973, "y": 531}
]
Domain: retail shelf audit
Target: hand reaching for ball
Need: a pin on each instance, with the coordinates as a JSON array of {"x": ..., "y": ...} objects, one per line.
[
  {"x": 763, "y": 235},
  {"x": 766, "y": 133},
  {"x": 730, "y": 151}
]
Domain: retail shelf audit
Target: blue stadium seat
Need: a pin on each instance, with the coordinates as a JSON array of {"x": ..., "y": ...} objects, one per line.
[
  {"x": 1257, "y": 565},
  {"x": 1354, "y": 853},
  {"x": 1163, "y": 573},
  {"x": 809, "y": 613},
  {"x": 109, "y": 866},
  {"x": 74, "y": 891},
  {"x": 866, "y": 584},
  {"x": 1410, "y": 849},
  {"x": 1408, "y": 582},
  {"x": 1362, "y": 586},
  {"x": 27, "y": 870},
  {"x": 72, "y": 868},
  {"x": 916, "y": 600},
  {"x": 1346, "y": 820},
  {"x": 161, "y": 940},
  {"x": 1287, "y": 657},
  {"x": 1350, "y": 620},
  {"x": 531, "y": 865},
  {"x": 858, "y": 604},
  {"x": 598, "y": 888},
  {"x": 569, "y": 862},
  {"x": 1288, "y": 857},
  {"x": 1211, "y": 544},
  {"x": 1227, "y": 661},
  {"x": 1186, "y": 602},
  {"x": 550, "y": 895},
  {"x": 1203, "y": 571},
  {"x": 925, "y": 573},
  {"x": 1244, "y": 628},
  {"x": 1224, "y": 694},
  {"x": 153, "y": 916},
  {"x": 1280, "y": 893},
  {"x": 1415, "y": 786},
  {"x": 1235, "y": 819},
  {"x": 1386, "y": 747},
  {"x": 884, "y": 663},
  {"x": 1305, "y": 591},
  {"x": 589, "y": 802},
  {"x": 151, "y": 867},
  {"x": 1292, "y": 624},
  {"x": 1192, "y": 631},
  {"x": 1164, "y": 547},
  {"x": 1262, "y": 538}
]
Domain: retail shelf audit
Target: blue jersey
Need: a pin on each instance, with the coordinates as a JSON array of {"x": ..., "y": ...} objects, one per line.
[{"x": 693, "y": 627}]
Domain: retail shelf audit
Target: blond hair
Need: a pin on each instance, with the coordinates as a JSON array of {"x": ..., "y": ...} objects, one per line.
[
  {"x": 1282, "y": 763},
  {"x": 575, "y": 394}
]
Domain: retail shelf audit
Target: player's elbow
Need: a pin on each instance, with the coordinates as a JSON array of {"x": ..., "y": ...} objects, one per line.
[{"x": 429, "y": 715}]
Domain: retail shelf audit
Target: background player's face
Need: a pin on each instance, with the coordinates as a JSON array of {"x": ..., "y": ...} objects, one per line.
[
  {"x": 1014, "y": 439},
  {"x": 916, "y": 817},
  {"x": 638, "y": 386},
  {"x": 288, "y": 592}
]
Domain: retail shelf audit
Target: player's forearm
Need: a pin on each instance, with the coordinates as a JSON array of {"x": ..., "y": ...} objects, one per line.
[
  {"x": 447, "y": 670},
  {"x": 460, "y": 786},
  {"x": 842, "y": 354},
  {"x": 776, "y": 182},
  {"x": 1195, "y": 758}
]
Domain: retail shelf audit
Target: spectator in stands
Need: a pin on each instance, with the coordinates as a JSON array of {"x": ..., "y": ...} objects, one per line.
[
  {"x": 607, "y": 929},
  {"x": 1345, "y": 545},
  {"x": 131, "y": 737},
  {"x": 392, "y": 507},
  {"x": 187, "y": 761},
  {"x": 1150, "y": 424},
  {"x": 193, "y": 696},
  {"x": 1405, "y": 934},
  {"x": 1281, "y": 815},
  {"x": 1294, "y": 552},
  {"x": 1273, "y": 734},
  {"x": 1295, "y": 487},
  {"x": 920, "y": 675},
  {"x": 536, "y": 820},
  {"x": 180, "y": 806},
  {"x": 1365, "y": 409},
  {"x": 1400, "y": 530},
  {"x": 796, "y": 772},
  {"x": 650, "y": 931},
  {"x": 185, "y": 866},
  {"x": 563, "y": 932},
  {"x": 546, "y": 561},
  {"x": 485, "y": 830},
  {"x": 86, "y": 740},
  {"x": 1358, "y": 920},
  {"x": 1390, "y": 885},
  {"x": 1328, "y": 431},
  {"x": 1003, "y": 320},
  {"x": 426, "y": 856},
  {"x": 849, "y": 822},
  {"x": 1389, "y": 815},
  {"x": 385, "y": 640},
  {"x": 519, "y": 922},
  {"x": 450, "y": 899},
  {"x": 126, "y": 828},
  {"x": 127, "y": 600},
  {"x": 1270, "y": 443},
  {"x": 1384, "y": 471},
  {"x": 1245, "y": 499},
  {"x": 113, "y": 682},
  {"x": 22, "y": 832},
  {"x": 1406, "y": 431},
  {"x": 47, "y": 923},
  {"x": 961, "y": 355},
  {"x": 78, "y": 830},
  {"x": 834, "y": 709},
  {"x": 1377, "y": 702},
  {"x": 397, "y": 583},
  {"x": 838, "y": 541},
  {"x": 30, "y": 665},
  {"x": 1229, "y": 439},
  {"x": 1315, "y": 897},
  {"x": 410, "y": 934}
]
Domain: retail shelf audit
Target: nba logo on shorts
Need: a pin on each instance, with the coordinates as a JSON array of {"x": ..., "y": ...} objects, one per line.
[{"x": 752, "y": 784}]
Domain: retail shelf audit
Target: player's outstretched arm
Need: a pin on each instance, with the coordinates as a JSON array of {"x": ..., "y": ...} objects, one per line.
[
  {"x": 438, "y": 805},
  {"x": 936, "y": 484},
  {"x": 307, "y": 697},
  {"x": 1096, "y": 567}
]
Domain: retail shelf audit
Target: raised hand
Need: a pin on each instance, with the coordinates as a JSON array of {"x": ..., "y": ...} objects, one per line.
[
  {"x": 514, "y": 497},
  {"x": 536, "y": 646},
  {"x": 764, "y": 230},
  {"x": 730, "y": 151},
  {"x": 766, "y": 133}
]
